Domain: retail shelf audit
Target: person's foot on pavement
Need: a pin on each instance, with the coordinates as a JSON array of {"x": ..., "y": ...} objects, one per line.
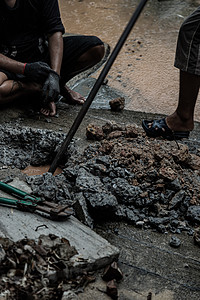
[
  {"x": 171, "y": 127},
  {"x": 71, "y": 97},
  {"x": 49, "y": 110}
]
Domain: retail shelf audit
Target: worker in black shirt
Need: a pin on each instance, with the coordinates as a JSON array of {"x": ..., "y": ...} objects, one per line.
[{"x": 35, "y": 58}]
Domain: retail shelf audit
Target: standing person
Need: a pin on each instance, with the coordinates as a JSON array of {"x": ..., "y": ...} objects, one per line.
[
  {"x": 35, "y": 58},
  {"x": 179, "y": 124}
]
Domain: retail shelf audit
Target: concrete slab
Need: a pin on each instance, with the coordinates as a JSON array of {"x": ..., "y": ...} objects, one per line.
[{"x": 94, "y": 252}]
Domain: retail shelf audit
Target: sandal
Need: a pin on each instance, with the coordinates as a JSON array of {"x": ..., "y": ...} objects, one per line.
[{"x": 159, "y": 128}]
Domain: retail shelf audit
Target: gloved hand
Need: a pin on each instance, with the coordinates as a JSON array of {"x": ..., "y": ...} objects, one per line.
[
  {"x": 51, "y": 88},
  {"x": 37, "y": 71}
]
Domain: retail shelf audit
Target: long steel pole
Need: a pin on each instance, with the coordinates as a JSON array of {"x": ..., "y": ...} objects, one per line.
[{"x": 96, "y": 86}]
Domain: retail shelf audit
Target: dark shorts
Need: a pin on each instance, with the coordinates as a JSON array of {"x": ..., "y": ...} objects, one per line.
[
  {"x": 188, "y": 45},
  {"x": 74, "y": 47}
]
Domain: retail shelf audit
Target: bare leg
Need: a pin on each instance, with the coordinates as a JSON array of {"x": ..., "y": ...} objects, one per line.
[
  {"x": 183, "y": 118},
  {"x": 85, "y": 61},
  {"x": 11, "y": 90}
]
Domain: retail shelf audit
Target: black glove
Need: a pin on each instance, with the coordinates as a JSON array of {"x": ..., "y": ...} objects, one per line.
[
  {"x": 51, "y": 88},
  {"x": 37, "y": 71}
]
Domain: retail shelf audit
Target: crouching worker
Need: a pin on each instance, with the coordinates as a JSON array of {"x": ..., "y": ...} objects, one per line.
[{"x": 35, "y": 58}]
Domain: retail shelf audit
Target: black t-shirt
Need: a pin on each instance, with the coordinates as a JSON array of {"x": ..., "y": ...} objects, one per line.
[{"x": 24, "y": 27}]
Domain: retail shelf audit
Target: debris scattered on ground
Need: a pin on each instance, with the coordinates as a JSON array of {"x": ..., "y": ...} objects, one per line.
[
  {"x": 122, "y": 175},
  {"x": 41, "y": 270},
  {"x": 112, "y": 274}
]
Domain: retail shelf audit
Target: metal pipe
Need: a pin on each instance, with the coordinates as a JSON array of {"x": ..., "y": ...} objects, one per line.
[{"x": 96, "y": 86}]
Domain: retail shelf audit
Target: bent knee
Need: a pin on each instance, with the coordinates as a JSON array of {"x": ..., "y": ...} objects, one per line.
[
  {"x": 99, "y": 52},
  {"x": 2, "y": 92}
]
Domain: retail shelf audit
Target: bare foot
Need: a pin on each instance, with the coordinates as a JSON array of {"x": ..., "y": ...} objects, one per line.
[
  {"x": 50, "y": 110},
  {"x": 71, "y": 96}
]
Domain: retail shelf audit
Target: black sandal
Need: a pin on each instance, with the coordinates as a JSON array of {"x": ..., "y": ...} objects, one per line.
[{"x": 159, "y": 128}]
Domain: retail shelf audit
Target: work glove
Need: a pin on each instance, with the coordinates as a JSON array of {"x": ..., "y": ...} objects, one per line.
[
  {"x": 51, "y": 88},
  {"x": 37, "y": 71}
]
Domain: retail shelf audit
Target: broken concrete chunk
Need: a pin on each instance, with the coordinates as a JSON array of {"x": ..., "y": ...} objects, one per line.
[
  {"x": 167, "y": 173},
  {"x": 131, "y": 131},
  {"x": 193, "y": 213},
  {"x": 112, "y": 272},
  {"x": 176, "y": 200},
  {"x": 117, "y": 104},
  {"x": 81, "y": 209},
  {"x": 125, "y": 192},
  {"x": 182, "y": 154},
  {"x": 94, "y": 132}
]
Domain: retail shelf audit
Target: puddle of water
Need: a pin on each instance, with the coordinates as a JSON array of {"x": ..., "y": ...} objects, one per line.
[{"x": 39, "y": 170}]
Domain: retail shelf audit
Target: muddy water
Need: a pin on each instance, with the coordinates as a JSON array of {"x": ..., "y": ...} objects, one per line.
[
  {"x": 39, "y": 170},
  {"x": 144, "y": 69}
]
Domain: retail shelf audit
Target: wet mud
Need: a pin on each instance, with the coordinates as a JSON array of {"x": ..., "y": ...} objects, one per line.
[{"x": 144, "y": 69}]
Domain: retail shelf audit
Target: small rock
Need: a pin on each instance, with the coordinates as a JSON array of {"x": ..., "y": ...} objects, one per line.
[
  {"x": 94, "y": 132},
  {"x": 167, "y": 173},
  {"x": 117, "y": 104},
  {"x": 176, "y": 200},
  {"x": 193, "y": 213},
  {"x": 80, "y": 207},
  {"x": 131, "y": 131},
  {"x": 175, "y": 242},
  {"x": 112, "y": 272}
]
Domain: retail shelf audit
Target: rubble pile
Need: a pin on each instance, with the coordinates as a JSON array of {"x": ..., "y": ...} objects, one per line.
[
  {"x": 123, "y": 175},
  {"x": 38, "y": 270},
  {"x": 24, "y": 146}
]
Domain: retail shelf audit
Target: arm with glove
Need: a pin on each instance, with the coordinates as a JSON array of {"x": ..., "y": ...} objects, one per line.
[
  {"x": 37, "y": 71},
  {"x": 51, "y": 87}
]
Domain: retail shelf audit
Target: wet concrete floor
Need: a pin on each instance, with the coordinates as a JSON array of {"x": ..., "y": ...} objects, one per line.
[{"x": 144, "y": 70}]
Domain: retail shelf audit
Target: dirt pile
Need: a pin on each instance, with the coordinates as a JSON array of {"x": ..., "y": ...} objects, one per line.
[{"x": 150, "y": 183}]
